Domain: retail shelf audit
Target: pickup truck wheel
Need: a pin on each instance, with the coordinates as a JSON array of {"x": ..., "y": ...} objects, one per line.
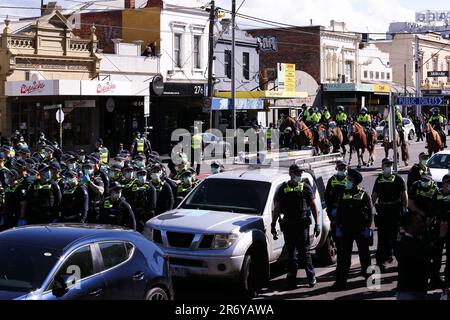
[
  {"x": 326, "y": 255},
  {"x": 251, "y": 281},
  {"x": 156, "y": 293}
]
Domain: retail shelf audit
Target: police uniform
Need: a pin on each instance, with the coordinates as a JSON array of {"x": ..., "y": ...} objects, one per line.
[
  {"x": 423, "y": 198},
  {"x": 389, "y": 190},
  {"x": 118, "y": 213},
  {"x": 415, "y": 173},
  {"x": 104, "y": 152},
  {"x": 95, "y": 198},
  {"x": 138, "y": 145},
  {"x": 196, "y": 146},
  {"x": 15, "y": 196},
  {"x": 335, "y": 188},
  {"x": 341, "y": 119},
  {"x": 43, "y": 202},
  {"x": 353, "y": 220},
  {"x": 74, "y": 203},
  {"x": 164, "y": 197},
  {"x": 293, "y": 202},
  {"x": 437, "y": 121},
  {"x": 142, "y": 198}
]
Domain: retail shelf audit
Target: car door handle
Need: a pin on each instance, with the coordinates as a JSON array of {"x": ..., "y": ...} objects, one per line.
[
  {"x": 96, "y": 293},
  {"x": 139, "y": 276}
]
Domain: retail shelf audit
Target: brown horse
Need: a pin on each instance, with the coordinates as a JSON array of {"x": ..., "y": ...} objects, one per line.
[
  {"x": 433, "y": 139},
  {"x": 358, "y": 141},
  {"x": 301, "y": 134},
  {"x": 336, "y": 138},
  {"x": 389, "y": 145}
]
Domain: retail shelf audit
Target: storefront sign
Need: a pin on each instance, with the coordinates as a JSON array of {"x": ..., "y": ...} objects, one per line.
[
  {"x": 294, "y": 102},
  {"x": 348, "y": 87},
  {"x": 105, "y": 88},
  {"x": 241, "y": 104},
  {"x": 286, "y": 77},
  {"x": 31, "y": 88},
  {"x": 184, "y": 89},
  {"x": 436, "y": 74},
  {"x": 382, "y": 88},
  {"x": 157, "y": 85},
  {"x": 79, "y": 104}
]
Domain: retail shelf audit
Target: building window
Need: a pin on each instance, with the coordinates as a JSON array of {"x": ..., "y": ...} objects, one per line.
[
  {"x": 227, "y": 63},
  {"x": 371, "y": 75},
  {"x": 377, "y": 75},
  {"x": 365, "y": 74},
  {"x": 246, "y": 65},
  {"x": 382, "y": 76},
  {"x": 388, "y": 76},
  {"x": 177, "y": 50},
  {"x": 348, "y": 71},
  {"x": 197, "y": 40}
]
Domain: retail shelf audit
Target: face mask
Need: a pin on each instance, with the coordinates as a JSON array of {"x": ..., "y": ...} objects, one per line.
[
  {"x": 115, "y": 196},
  {"x": 82, "y": 158},
  {"x": 341, "y": 173},
  {"x": 298, "y": 179},
  {"x": 140, "y": 164},
  {"x": 31, "y": 179},
  {"x": 349, "y": 185},
  {"x": 46, "y": 154},
  {"x": 70, "y": 182},
  {"x": 142, "y": 179},
  {"x": 387, "y": 171},
  {"x": 129, "y": 175},
  {"x": 156, "y": 176},
  {"x": 119, "y": 163},
  {"x": 111, "y": 174},
  {"x": 214, "y": 171},
  {"x": 424, "y": 162},
  {"x": 187, "y": 180},
  {"x": 47, "y": 176},
  {"x": 425, "y": 184}
]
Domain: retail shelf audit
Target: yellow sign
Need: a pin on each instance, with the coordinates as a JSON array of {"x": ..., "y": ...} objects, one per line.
[
  {"x": 263, "y": 94},
  {"x": 286, "y": 77},
  {"x": 385, "y": 88}
]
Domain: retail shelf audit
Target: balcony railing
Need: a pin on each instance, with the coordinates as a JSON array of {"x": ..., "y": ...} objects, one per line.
[{"x": 21, "y": 42}]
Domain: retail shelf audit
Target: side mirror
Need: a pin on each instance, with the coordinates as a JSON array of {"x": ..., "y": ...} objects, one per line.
[{"x": 59, "y": 287}]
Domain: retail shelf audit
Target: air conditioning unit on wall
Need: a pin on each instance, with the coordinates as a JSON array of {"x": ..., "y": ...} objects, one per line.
[{"x": 34, "y": 76}]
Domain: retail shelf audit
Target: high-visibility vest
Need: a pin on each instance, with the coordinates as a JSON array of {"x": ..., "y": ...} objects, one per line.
[
  {"x": 104, "y": 154},
  {"x": 363, "y": 118},
  {"x": 140, "y": 145},
  {"x": 269, "y": 133},
  {"x": 196, "y": 141},
  {"x": 341, "y": 117}
]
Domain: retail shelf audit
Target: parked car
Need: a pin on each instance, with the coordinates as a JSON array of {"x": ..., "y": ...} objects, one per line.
[
  {"x": 222, "y": 228},
  {"x": 70, "y": 261},
  {"x": 408, "y": 126},
  {"x": 439, "y": 165}
]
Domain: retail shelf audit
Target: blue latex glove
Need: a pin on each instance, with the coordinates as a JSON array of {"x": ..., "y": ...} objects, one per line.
[
  {"x": 21, "y": 222},
  {"x": 338, "y": 232},
  {"x": 86, "y": 179},
  {"x": 334, "y": 212},
  {"x": 366, "y": 233}
]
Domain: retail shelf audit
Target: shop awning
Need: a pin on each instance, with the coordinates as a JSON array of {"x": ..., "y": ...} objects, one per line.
[
  {"x": 263, "y": 94},
  {"x": 241, "y": 104},
  {"x": 400, "y": 89}
]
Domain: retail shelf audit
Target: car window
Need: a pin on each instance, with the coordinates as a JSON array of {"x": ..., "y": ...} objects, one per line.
[
  {"x": 439, "y": 161},
  {"x": 381, "y": 124},
  {"x": 406, "y": 122},
  {"x": 79, "y": 263},
  {"x": 114, "y": 253}
]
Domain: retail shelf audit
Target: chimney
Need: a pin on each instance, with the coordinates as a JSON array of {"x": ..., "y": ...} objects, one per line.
[
  {"x": 130, "y": 4},
  {"x": 310, "y": 20},
  {"x": 154, "y": 4},
  {"x": 49, "y": 7}
]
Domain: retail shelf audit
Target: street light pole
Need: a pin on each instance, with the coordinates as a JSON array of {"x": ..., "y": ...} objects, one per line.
[
  {"x": 233, "y": 73},
  {"x": 212, "y": 15},
  {"x": 417, "y": 67}
]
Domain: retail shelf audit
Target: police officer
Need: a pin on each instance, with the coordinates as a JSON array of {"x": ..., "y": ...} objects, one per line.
[
  {"x": 335, "y": 188},
  {"x": 55, "y": 169},
  {"x": 75, "y": 199},
  {"x": 96, "y": 190},
  {"x": 102, "y": 150},
  {"x": 119, "y": 161},
  {"x": 418, "y": 169},
  {"x": 196, "y": 147},
  {"x": 217, "y": 167},
  {"x": 3, "y": 169},
  {"x": 128, "y": 179},
  {"x": 140, "y": 160},
  {"x": 293, "y": 199},
  {"x": 326, "y": 116},
  {"x": 81, "y": 157},
  {"x": 180, "y": 166},
  {"x": 71, "y": 163},
  {"x": 115, "y": 174},
  {"x": 341, "y": 118},
  {"x": 390, "y": 199},
  {"x": 142, "y": 199},
  {"x": 49, "y": 151},
  {"x": 365, "y": 120},
  {"x": 164, "y": 195},
  {"x": 44, "y": 198},
  {"x": 186, "y": 185},
  {"x": 437, "y": 121},
  {"x": 269, "y": 135},
  {"x": 115, "y": 210},
  {"x": 421, "y": 194},
  {"x": 313, "y": 117},
  {"x": 15, "y": 204},
  {"x": 398, "y": 123},
  {"x": 99, "y": 172},
  {"x": 353, "y": 223},
  {"x": 40, "y": 152},
  {"x": 440, "y": 216},
  {"x": 138, "y": 144}
]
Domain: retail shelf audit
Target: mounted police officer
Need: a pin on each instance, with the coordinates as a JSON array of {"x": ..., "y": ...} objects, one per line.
[
  {"x": 390, "y": 199},
  {"x": 326, "y": 116},
  {"x": 312, "y": 120},
  {"x": 115, "y": 210},
  {"x": 341, "y": 118},
  {"x": 44, "y": 198},
  {"x": 365, "y": 120},
  {"x": 75, "y": 199},
  {"x": 437, "y": 121},
  {"x": 102, "y": 151},
  {"x": 353, "y": 223},
  {"x": 418, "y": 169},
  {"x": 142, "y": 198},
  {"x": 398, "y": 123},
  {"x": 294, "y": 199},
  {"x": 335, "y": 188}
]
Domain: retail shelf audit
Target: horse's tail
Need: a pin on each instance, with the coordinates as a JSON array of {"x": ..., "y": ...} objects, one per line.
[{"x": 405, "y": 152}]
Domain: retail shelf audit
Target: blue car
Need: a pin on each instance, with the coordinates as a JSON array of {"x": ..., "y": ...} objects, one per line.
[{"x": 74, "y": 261}]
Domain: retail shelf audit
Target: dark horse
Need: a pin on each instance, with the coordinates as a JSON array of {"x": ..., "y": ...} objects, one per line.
[{"x": 295, "y": 133}]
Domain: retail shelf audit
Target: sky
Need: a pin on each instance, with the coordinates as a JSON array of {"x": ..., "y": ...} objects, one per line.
[{"x": 359, "y": 15}]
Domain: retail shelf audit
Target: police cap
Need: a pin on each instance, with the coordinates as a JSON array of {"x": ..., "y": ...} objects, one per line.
[
  {"x": 115, "y": 186},
  {"x": 295, "y": 168},
  {"x": 55, "y": 165},
  {"x": 386, "y": 161},
  {"x": 140, "y": 155},
  {"x": 115, "y": 168},
  {"x": 70, "y": 174},
  {"x": 341, "y": 163},
  {"x": 355, "y": 176},
  {"x": 42, "y": 167}
]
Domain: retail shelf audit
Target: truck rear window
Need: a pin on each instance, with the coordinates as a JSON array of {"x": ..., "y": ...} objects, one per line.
[{"x": 238, "y": 196}]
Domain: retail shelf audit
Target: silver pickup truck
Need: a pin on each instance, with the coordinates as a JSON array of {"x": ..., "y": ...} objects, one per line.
[{"x": 222, "y": 228}]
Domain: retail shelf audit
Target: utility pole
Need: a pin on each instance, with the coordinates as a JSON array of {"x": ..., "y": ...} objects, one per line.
[
  {"x": 233, "y": 73},
  {"x": 404, "y": 78},
  {"x": 212, "y": 16},
  {"x": 417, "y": 67}
]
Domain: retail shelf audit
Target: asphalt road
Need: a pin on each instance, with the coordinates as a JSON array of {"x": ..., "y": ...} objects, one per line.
[{"x": 199, "y": 290}]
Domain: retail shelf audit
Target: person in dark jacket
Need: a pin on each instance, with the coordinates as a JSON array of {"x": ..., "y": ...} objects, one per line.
[
  {"x": 75, "y": 199},
  {"x": 15, "y": 200},
  {"x": 115, "y": 210},
  {"x": 417, "y": 170},
  {"x": 164, "y": 195},
  {"x": 412, "y": 256}
]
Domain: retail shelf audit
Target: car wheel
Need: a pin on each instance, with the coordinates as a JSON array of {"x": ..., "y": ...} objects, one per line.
[
  {"x": 252, "y": 278},
  {"x": 411, "y": 135},
  {"x": 326, "y": 255},
  {"x": 156, "y": 294}
]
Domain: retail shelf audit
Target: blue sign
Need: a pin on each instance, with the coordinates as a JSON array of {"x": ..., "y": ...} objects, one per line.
[
  {"x": 241, "y": 104},
  {"x": 419, "y": 101}
]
